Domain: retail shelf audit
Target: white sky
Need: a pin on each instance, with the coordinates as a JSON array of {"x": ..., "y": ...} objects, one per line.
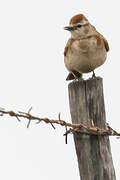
[{"x": 32, "y": 73}]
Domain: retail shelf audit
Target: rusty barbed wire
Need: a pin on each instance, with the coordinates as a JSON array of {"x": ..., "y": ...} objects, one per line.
[{"x": 73, "y": 128}]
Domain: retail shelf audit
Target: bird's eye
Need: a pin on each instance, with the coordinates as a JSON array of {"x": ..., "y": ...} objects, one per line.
[{"x": 79, "y": 25}]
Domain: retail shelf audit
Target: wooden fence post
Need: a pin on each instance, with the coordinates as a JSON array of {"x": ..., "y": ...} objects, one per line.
[{"x": 93, "y": 152}]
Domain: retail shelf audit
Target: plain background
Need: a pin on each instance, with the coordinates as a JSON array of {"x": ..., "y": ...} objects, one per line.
[{"x": 32, "y": 73}]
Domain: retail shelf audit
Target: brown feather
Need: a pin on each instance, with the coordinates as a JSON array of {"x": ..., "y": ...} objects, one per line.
[
  {"x": 77, "y": 19},
  {"x": 68, "y": 45},
  {"x": 104, "y": 40},
  {"x": 70, "y": 77},
  {"x": 73, "y": 75},
  {"x": 106, "y": 44}
]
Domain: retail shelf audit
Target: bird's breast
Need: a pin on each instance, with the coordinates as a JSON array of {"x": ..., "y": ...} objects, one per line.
[{"x": 84, "y": 56}]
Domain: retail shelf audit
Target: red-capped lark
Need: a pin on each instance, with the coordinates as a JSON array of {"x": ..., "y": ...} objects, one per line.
[{"x": 85, "y": 50}]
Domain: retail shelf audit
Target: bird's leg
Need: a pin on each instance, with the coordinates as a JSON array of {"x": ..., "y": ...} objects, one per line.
[{"x": 93, "y": 75}]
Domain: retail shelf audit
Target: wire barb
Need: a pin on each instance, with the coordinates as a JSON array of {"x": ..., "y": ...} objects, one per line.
[
  {"x": 30, "y": 110},
  {"x": 52, "y": 125},
  {"x": 28, "y": 125},
  {"x": 38, "y": 121},
  {"x": 18, "y": 118},
  {"x": 66, "y": 139},
  {"x": 59, "y": 116}
]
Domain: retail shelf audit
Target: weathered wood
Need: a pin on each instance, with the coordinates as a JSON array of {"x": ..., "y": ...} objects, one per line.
[{"x": 93, "y": 152}]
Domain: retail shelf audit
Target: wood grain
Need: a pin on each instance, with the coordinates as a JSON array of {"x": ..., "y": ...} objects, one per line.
[{"x": 93, "y": 152}]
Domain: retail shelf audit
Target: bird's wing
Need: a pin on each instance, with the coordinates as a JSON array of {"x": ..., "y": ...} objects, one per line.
[
  {"x": 104, "y": 40},
  {"x": 68, "y": 45},
  {"x": 105, "y": 43}
]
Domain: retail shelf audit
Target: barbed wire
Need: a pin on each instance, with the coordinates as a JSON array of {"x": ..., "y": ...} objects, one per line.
[{"x": 73, "y": 128}]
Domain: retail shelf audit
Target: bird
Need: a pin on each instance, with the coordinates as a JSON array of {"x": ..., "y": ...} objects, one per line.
[{"x": 85, "y": 50}]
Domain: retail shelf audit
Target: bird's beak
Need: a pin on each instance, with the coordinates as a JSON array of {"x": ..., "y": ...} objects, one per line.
[{"x": 69, "y": 28}]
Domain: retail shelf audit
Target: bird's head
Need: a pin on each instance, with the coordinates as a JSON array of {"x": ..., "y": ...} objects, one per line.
[{"x": 79, "y": 26}]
